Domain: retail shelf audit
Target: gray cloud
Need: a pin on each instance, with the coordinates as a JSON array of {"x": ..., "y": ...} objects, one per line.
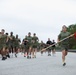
[{"x": 44, "y": 17}]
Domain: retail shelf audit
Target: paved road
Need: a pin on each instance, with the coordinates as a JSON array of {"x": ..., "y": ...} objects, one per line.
[{"x": 42, "y": 65}]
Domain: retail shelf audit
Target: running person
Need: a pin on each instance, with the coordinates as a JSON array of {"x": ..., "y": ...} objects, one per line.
[
  {"x": 16, "y": 45},
  {"x": 48, "y": 43},
  {"x": 64, "y": 44},
  {"x": 53, "y": 48},
  {"x": 35, "y": 41},
  {"x": 3, "y": 40},
  {"x": 29, "y": 45},
  {"x": 7, "y": 46},
  {"x": 11, "y": 40},
  {"x": 25, "y": 44},
  {"x": 42, "y": 46}
]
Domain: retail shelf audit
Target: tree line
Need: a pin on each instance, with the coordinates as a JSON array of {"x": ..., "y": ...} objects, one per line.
[{"x": 72, "y": 42}]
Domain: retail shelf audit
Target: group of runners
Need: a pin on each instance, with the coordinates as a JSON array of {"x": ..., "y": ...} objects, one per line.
[
  {"x": 30, "y": 44},
  {"x": 8, "y": 44},
  {"x": 50, "y": 50}
]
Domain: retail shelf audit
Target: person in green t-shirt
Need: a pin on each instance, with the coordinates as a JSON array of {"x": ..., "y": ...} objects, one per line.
[
  {"x": 16, "y": 43},
  {"x": 29, "y": 45},
  {"x": 35, "y": 41},
  {"x": 11, "y": 45},
  {"x": 3, "y": 40},
  {"x": 42, "y": 46},
  {"x": 64, "y": 44}
]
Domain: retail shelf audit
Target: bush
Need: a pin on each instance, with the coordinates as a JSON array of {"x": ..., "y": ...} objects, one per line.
[{"x": 74, "y": 47}]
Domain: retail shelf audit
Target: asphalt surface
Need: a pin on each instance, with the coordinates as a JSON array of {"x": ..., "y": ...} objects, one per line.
[{"x": 41, "y": 65}]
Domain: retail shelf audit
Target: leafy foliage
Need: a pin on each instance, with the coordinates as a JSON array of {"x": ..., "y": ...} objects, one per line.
[{"x": 72, "y": 30}]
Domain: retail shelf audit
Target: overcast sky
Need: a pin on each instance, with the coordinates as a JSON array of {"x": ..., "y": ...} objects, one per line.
[{"x": 43, "y": 17}]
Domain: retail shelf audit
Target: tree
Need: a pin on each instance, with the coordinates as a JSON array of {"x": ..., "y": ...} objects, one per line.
[{"x": 72, "y": 29}]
